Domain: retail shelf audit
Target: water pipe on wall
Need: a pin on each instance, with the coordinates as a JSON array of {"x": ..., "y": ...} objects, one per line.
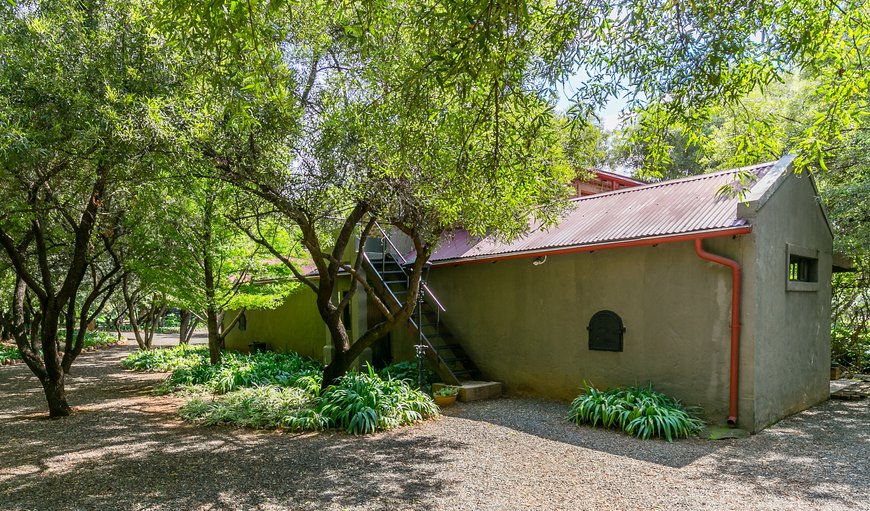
[{"x": 735, "y": 324}]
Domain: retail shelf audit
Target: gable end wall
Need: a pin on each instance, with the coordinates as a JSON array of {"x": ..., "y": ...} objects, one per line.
[{"x": 792, "y": 354}]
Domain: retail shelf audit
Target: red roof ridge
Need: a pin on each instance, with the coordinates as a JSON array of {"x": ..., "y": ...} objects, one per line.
[{"x": 670, "y": 182}]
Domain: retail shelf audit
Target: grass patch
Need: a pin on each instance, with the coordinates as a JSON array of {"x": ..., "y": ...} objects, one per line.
[
  {"x": 638, "y": 411},
  {"x": 281, "y": 390}
]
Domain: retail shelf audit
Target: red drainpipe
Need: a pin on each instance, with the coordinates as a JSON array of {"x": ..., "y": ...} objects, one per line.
[{"x": 735, "y": 323}]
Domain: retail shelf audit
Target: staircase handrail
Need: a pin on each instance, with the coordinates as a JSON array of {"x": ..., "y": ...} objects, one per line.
[{"x": 425, "y": 287}]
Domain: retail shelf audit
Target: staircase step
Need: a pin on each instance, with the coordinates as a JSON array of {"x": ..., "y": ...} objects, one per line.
[
  {"x": 444, "y": 336},
  {"x": 450, "y": 347},
  {"x": 451, "y": 360}
]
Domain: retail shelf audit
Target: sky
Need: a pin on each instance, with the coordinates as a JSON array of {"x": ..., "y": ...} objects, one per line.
[{"x": 610, "y": 115}]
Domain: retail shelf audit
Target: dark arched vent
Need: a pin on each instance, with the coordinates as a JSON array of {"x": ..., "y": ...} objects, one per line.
[{"x": 605, "y": 331}]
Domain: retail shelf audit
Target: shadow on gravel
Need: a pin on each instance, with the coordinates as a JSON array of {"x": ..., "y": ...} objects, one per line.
[
  {"x": 821, "y": 454},
  {"x": 546, "y": 419},
  {"x": 125, "y": 449}
]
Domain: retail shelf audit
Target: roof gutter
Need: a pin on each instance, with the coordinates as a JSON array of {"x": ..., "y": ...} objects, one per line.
[{"x": 735, "y": 324}]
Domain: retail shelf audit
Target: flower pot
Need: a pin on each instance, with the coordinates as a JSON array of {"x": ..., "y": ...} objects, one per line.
[{"x": 443, "y": 401}]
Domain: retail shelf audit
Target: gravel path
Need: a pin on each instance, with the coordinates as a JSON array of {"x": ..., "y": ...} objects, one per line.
[{"x": 125, "y": 449}]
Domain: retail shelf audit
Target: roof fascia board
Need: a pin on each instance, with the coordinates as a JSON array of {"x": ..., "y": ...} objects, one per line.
[
  {"x": 769, "y": 184},
  {"x": 821, "y": 203},
  {"x": 764, "y": 189},
  {"x": 636, "y": 242}
]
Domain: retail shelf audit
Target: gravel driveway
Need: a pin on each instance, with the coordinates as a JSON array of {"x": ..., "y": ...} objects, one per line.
[{"x": 125, "y": 449}]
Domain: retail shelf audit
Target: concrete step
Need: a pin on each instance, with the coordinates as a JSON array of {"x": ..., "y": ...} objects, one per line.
[{"x": 472, "y": 390}]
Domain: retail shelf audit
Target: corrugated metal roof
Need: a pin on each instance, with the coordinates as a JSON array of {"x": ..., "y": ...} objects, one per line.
[{"x": 681, "y": 206}]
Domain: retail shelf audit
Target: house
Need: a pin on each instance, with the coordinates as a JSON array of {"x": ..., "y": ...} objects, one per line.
[
  {"x": 720, "y": 301},
  {"x": 601, "y": 182}
]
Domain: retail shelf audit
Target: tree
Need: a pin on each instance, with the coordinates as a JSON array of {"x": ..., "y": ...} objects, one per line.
[
  {"x": 214, "y": 262},
  {"x": 367, "y": 117},
  {"x": 73, "y": 83},
  {"x": 706, "y": 56}
]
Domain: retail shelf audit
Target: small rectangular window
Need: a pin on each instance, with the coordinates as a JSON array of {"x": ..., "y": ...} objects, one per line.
[{"x": 803, "y": 269}]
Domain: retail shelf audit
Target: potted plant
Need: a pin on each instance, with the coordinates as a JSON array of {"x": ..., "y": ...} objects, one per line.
[{"x": 446, "y": 395}]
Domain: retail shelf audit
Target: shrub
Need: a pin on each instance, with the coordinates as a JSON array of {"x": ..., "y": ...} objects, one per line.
[
  {"x": 365, "y": 403},
  {"x": 407, "y": 371},
  {"x": 282, "y": 390},
  {"x": 238, "y": 371},
  {"x": 850, "y": 349},
  {"x": 99, "y": 339},
  {"x": 166, "y": 360},
  {"x": 190, "y": 367},
  {"x": 8, "y": 354},
  {"x": 258, "y": 407},
  {"x": 639, "y": 411}
]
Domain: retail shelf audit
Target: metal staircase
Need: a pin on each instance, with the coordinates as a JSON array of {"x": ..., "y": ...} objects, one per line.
[{"x": 443, "y": 349}]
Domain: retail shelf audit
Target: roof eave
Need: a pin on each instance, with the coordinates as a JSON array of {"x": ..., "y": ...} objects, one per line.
[{"x": 592, "y": 247}]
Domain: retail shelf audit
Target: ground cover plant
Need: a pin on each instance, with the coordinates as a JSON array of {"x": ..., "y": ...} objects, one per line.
[
  {"x": 407, "y": 371},
  {"x": 99, "y": 339},
  {"x": 638, "y": 411},
  {"x": 281, "y": 390},
  {"x": 93, "y": 340},
  {"x": 8, "y": 354}
]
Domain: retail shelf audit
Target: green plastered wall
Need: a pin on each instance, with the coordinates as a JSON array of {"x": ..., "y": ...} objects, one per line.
[
  {"x": 794, "y": 344},
  {"x": 525, "y": 325},
  {"x": 294, "y": 326}
]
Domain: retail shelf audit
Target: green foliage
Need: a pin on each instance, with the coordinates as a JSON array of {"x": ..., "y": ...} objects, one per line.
[
  {"x": 99, "y": 339},
  {"x": 92, "y": 340},
  {"x": 447, "y": 391},
  {"x": 166, "y": 360},
  {"x": 850, "y": 348},
  {"x": 850, "y": 318},
  {"x": 191, "y": 368},
  {"x": 365, "y": 403},
  {"x": 640, "y": 412},
  {"x": 8, "y": 354},
  {"x": 407, "y": 372},
  {"x": 258, "y": 407},
  {"x": 271, "y": 390},
  {"x": 171, "y": 321}
]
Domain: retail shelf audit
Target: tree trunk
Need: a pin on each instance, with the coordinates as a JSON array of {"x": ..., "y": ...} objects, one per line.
[
  {"x": 117, "y": 323},
  {"x": 341, "y": 362},
  {"x": 214, "y": 337},
  {"x": 55, "y": 394},
  {"x": 53, "y": 379},
  {"x": 183, "y": 327},
  {"x": 211, "y": 312}
]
